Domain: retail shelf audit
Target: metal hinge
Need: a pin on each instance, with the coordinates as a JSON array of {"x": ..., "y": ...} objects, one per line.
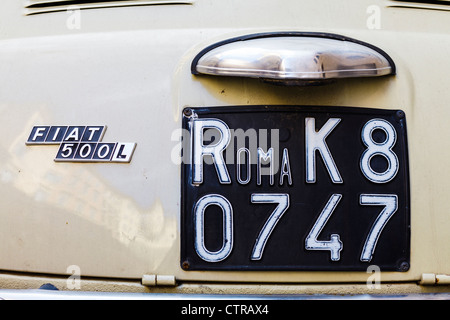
[
  {"x": 153, "y": 280},
  {"x": 431, "y": 279}
]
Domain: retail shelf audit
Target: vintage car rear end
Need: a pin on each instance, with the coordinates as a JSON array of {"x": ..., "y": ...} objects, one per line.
[{"x": 225, "y": 147}]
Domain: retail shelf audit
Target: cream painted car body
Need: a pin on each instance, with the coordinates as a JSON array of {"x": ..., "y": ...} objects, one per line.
[{"x": 129, "y": 68}]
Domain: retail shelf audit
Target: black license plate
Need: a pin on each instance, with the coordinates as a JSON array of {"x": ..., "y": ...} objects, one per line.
[{"x": 294, "y": 188}]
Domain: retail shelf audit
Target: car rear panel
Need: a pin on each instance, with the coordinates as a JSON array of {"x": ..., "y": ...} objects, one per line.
[{"x": 129, "y": 69}]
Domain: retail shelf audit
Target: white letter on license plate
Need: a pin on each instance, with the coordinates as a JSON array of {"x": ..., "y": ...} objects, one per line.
[
  {"x": 199, "y": 224},
  {"x": 215, "y": 150},
  {"x": 390, "y": 203},
  {"x": 315, "y": 140},
  {"x": 282, "y": 199},
  {"x": 383, "y": 149},
  {"x": 334, "y": 245}
]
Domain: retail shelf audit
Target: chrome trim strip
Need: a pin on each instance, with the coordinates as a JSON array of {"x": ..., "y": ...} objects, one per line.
[
  {"x": 47, "y": 6},
  {"x": 41, "y": 294},
  {"x": 441, "y": 5}
]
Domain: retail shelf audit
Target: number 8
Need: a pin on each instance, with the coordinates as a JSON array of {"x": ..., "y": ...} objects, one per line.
[{"x": 383, "y": 149}]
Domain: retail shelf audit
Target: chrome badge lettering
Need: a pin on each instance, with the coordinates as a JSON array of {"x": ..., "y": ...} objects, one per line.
[{"x": 81, "y": 144}]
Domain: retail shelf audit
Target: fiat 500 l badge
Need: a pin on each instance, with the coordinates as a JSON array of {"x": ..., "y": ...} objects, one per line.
[{"x": 81, "y": 144}]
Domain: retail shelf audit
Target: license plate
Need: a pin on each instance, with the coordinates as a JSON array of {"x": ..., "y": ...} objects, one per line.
[{"x": 294, "y": 188}]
